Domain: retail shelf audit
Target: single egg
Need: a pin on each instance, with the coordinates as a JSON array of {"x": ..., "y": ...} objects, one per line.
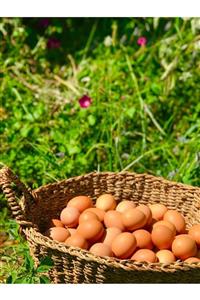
[
  {"x": 106, "y": 202},
  {"x": 76, "y": 240},
  {"x": 99, "y": 212},
  {"x": 71, "y": 230},
  {"x": 58, "y": 234},
  {"x": 87, "y": 215},
  {"x": 133, "y": 219},
  {"x": 80, "y": 202},
  {"x": 123, "y": 245},
  {"x": 110, "y": 234},
  {"x": 91, "y": 230},
  {"x": 176, "y": 219},
  {"x": 192, "y": 260},
  {"x": 184, "y": 247},
  {"x": 146, "y": 210},
  {"x": 167, "y": 224},
  {"x": 143, "y": 239},
  {"x": 158, "y": 211},
  {"x": 144, "y": 255},
  {"x": 165, "y": 256},
  {"x": 69, "y": 216},
  {"x": 194, "y": 232},
  {"x": 101, "y": 249},
  {"x": 124, "y": 205},
  {"x": 56, "y": 223},
  {"x": 113, "y": 218},
  {"x": 162, "y": 237}
]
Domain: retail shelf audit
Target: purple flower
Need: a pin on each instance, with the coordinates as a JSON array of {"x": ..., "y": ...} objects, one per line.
[
  {"x": 44, "y": 22},
  {"x": 85, "y": 101},
  {"x": 142, "y": 41},
  {"x": 53, "y": 43}
]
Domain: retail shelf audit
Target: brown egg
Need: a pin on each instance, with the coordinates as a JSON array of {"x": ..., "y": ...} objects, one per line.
[
  {"x": 69, "y": 216},
  {"x": 91, "y": 230},
  {"x": 80, "y": 202},
  {"x": 113, "y": 218},
  {"x": 184, "y": 247},
  {"x": 167, "y": 224},
  {"x": 106, "y": 202},
  {"x": 101, "y": 249},
  {"x": 162, "y": 237},
  {"x": 165, "y": 256},
  {"x": 87, "y": 215},
  {"x": 99, "y": 212},
  {"x": 124, "y": 205},
  {"x": 176, "y": 219},
  {"x": 76, "y": 240},
  {"x": 124, "y": 245},
  {"x": 158, "y": 211},
  {"x": 58, "y": 234},
  {"x": 110, "y": 234},
  {"x": 146, "y": 210},
  {"x": 194, "y": 232},
  {"x": 71, "y": 230},
  {"x": 133, "y": 219},
  {"x": 143, "y": 239},
  {"x": 56, "y": 223},
  {"x": 144, "y": 255},
  {"x": 192, "y": 260}
]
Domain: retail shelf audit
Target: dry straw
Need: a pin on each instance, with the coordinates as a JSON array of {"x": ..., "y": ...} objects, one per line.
[{"x": 73, "y": 265}]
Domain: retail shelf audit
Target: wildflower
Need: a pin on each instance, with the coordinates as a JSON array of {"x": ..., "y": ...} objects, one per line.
[
  {"x": 60, "y": 154},
  {"x": 44, "y": 22},
  {"x": 85, "y": 101},
  {"x": 53, "y": 43},
  {"x": 142, "y": 41},
  {"x": 108, "y": 41}
]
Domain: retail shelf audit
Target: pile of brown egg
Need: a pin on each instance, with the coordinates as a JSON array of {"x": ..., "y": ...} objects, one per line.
[{"x": 144, "y": 233}]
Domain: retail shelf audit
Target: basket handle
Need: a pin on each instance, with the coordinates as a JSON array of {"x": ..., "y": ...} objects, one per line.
[{"x": 7, "y": 178}]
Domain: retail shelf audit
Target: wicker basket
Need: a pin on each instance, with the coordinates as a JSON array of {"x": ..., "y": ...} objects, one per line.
[{"x": 73, "y": 265}]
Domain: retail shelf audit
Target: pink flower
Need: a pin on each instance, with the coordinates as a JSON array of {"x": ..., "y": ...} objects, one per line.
[
  {"x": 53, "y": 43},
  {"x": 85, "y": 101},
  {"x": 142, "y": 41}
]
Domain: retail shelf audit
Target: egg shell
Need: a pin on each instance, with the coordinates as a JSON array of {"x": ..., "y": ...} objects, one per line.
[
  {"x": 113, "y": 218},
  {"x": 91, "y": 230},
  {"x": 143, "y": 239},
  {"x": 88, "y": 215},
  {"x": 192, "y": 260},
  {"x": 69, "y": 216},
  {"x": 176, "y": 219},
  {"x": 56, "y": 223},
  {"x": 133, "y": 219},
  {"x": 124, "y": 205},
  {"x": 110, "y": 234},
  {"x": 158, "y": 210},
  {"x": 58, "y": 234},
  {"x": 81, "y": 203},
  {"x": 162, "y": 237},
  {"x": 165, "y": 256},
  {"x": 106, "y": 202},
  {"x": 101, "y": 249},
  {"x": 71, "y": 231},
  {"x": 124, "y": 245},
  {"x": 194, "y": 232},
  {"x": 76, "y": 240},
  {"x": 167, "y": 224},
  {"x": 99, "y": 212},
  {"x": 146, "y": 210},
  {"x": 144, "y": 255},
  {"x": 184, "y": 247}
]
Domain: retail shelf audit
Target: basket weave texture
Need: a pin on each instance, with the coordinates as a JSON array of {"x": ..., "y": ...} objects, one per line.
[{"x": 73, "y": 265}]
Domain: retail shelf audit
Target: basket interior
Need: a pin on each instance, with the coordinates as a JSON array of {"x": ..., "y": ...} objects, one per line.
[{"x": 140, "y": 188}]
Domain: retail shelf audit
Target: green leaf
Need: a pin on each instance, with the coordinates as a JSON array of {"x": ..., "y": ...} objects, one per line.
[
  {"x": 44, "y": 279},
  {"x": 91, "y": 120}
]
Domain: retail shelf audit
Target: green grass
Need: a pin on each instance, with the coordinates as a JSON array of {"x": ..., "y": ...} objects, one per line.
[{"x": 144, "y": 115}]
